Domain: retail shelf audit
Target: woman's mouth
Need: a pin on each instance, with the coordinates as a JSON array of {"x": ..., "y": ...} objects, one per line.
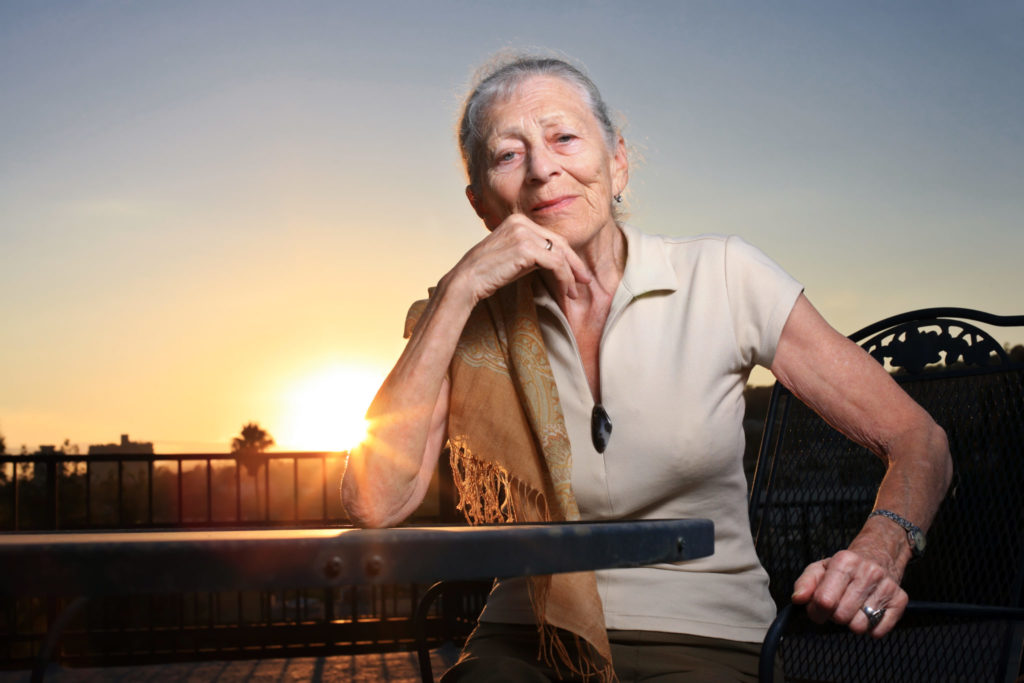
[{"x": 552, "y": 204}]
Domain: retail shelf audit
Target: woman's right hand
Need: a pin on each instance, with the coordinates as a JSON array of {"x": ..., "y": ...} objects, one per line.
[
  {"x": 518, "y": 246},
  {"x": 388, "y": 474}
]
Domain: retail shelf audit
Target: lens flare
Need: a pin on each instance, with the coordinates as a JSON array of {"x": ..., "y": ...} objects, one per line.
[{"x": 325, "y": 411}]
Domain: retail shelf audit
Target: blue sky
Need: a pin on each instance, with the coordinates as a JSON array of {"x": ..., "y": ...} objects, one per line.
[{"x": 207, "y": 206}]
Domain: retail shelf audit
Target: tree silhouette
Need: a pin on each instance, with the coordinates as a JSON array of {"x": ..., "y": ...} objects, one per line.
[
  {"x": 248, "y": 449},
  {"x": 1016, "y": 353}
]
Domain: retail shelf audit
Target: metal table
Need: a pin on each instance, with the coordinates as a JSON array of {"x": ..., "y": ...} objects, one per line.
[
  {"x": 129, "y": 562},
  {"x": 87, "y": 564}
]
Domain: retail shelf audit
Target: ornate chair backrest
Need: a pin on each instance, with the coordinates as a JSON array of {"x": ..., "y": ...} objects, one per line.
[{"x": 813, "y": 488}]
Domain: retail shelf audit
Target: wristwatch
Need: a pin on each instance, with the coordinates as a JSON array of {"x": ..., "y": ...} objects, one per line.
[{"x": 914, "y": 533}]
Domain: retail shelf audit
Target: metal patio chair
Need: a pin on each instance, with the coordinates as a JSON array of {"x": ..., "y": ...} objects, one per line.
[
  {"x": 813, "y": 489},
  {"x": 460, "y": 604}
]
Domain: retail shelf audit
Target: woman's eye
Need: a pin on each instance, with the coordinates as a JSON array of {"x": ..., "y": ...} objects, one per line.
[
  {"x": 506, "y": 157},
  {"x": 565, "y": 137}
]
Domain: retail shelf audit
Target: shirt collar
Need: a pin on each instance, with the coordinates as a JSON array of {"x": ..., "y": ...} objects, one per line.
[{"x": 648, "y": 269}]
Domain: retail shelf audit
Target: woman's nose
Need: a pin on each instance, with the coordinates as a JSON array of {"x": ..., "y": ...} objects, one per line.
[{"x": 541, "y": 164}]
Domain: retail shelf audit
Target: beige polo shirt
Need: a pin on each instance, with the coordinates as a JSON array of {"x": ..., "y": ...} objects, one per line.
[{"x": 689, "y": 320}]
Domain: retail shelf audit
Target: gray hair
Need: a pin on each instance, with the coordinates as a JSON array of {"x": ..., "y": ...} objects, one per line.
[{"x": 499, "y": 79}]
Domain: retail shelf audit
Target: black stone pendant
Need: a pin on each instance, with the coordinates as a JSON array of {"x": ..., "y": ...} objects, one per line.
[{"x": 600, "y": 428}]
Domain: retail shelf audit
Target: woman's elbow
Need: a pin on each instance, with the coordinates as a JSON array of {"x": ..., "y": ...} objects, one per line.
[
  {"x": 358, "y": 512},
  {"x": 941, "y": 457},
  {"x": 374, "y": 504},
  {"x": 363, "y": 509}
]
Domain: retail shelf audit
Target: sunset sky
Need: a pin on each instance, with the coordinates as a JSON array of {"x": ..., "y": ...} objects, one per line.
[{"x": 218, "y": 212}]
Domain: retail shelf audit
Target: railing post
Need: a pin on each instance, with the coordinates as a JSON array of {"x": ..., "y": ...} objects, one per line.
[
  {"x": 181, "y": 498},
  {"x": 14, "y": 496},
  {"x": 120, "y": 493},
  {"x": 88, "y": 493},
  {"x": 238, "y": 493},
  {"x": 266, "y": 491},
  {"x": 209, "y": 491},
  {"x": 323, "y": 477},
  {"x": 52, "y": 502}
]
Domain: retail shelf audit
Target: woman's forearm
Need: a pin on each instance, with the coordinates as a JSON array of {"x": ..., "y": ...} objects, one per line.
[
  {"x": 919, "y": 473},
  {"x": 388, "y": 473}
]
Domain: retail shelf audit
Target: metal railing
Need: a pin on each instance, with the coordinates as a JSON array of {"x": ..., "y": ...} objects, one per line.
[
  {"x": 106, "y": 492},
  {"x": 67, "y": 492}
]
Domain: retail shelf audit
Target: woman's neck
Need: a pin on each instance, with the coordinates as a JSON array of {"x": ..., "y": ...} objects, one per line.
[
  {"x": 605, "y": 256},
  {"x": 588, "y": 312}
]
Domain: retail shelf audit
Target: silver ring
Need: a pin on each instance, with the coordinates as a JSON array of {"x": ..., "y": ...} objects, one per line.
[
  {"x": 547, "y": 244},
  {"x": 874, "y": 615}
]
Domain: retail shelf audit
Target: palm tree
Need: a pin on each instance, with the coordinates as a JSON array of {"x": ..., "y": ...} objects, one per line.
[{"x": 249, "y": 450}]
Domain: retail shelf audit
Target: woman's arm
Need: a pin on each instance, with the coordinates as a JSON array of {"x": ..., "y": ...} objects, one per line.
[
  {"x": 388, "y": 474},
  {"x": 855, "y": 394}
]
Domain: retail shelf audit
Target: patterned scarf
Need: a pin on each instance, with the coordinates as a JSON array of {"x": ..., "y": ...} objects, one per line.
[{"x": 511, "y": 460}]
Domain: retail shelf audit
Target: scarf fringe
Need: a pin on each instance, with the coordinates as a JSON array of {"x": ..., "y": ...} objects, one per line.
[
  {"x": 588, "y": 663},
  {"x": 489, "y": 494}
]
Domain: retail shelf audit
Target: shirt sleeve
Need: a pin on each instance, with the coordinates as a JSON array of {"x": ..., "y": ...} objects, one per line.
[
  {"x": 416, "y": 311},
  {"x": 761, "y": 297}
]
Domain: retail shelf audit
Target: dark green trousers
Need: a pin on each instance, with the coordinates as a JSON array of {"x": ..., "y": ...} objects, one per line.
[{"x": 509, "y": 653}]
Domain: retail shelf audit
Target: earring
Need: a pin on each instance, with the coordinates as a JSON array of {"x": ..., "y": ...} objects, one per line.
[{"x": 618, "y": 198}]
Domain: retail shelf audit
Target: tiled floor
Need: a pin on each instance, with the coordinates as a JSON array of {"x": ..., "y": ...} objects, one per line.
[{"x": 393, "y": 667}]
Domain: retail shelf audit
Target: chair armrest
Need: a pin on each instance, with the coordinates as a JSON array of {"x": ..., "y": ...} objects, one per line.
[
  {"x": 773, "y": 637},
  {"x": 470, "y": 587},
  {"x": 420, "y": 629},
  {"x": 966, "y": 610},
  {"x": 766, "y": 665}
]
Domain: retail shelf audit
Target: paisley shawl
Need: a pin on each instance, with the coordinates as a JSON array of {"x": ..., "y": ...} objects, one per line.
[{"x": 512, "y": 462}]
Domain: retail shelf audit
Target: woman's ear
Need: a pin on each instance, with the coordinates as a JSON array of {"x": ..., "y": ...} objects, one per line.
[
  {"x": 480, "y": 206},
  {"x": 620, "y": 167},
  {"x": 473, "y": 201}
]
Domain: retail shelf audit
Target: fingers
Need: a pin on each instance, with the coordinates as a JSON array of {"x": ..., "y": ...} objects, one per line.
[
  {"x": 892, "y": 604},
  {"x": 565, "y": 264},
  {"x": 837, "y": 589},
  {"x": 803, "y": 589},
  {"x": 517, "y": 247},
  {"x": 851, "y": 579},
  {"x": 880, "y": 613}
]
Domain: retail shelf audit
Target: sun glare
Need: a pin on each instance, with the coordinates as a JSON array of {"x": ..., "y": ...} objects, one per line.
[{"x": 324, "y": 412}]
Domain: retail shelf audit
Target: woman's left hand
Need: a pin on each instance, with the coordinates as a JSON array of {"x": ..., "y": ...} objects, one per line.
[{"x": 839, "y": 587}]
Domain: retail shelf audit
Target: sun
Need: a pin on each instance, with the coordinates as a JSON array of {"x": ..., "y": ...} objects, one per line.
[{"x": 325, "y": 411}]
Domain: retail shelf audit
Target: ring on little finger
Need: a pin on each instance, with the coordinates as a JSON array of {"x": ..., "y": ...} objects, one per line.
[
  {"x": 547, "y": 244},
  {"x": 874, "y": 615}
]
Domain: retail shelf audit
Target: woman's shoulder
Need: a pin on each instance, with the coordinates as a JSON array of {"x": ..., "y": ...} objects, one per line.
[
  {"x": 697, "y": 241},
  {"x": 684, "y": 249}
]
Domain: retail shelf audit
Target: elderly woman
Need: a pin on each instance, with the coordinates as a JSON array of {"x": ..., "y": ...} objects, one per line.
[{"x": 581, "y": 369}]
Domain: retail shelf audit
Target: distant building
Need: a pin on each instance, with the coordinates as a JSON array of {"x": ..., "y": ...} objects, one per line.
[{"x": 126, "y": 447}]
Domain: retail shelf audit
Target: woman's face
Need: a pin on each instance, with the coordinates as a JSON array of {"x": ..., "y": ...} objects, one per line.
[{"x": 546, "y": 158}]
